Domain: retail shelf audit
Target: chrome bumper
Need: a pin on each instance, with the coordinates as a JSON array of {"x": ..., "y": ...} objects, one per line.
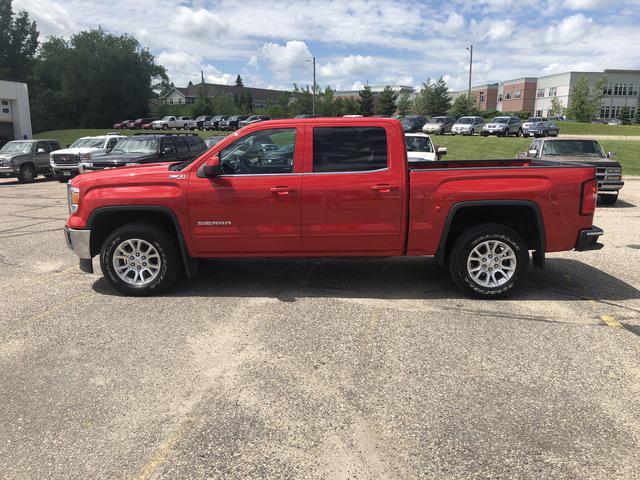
[
  {"x": 79, "y": 241},
  {"x": 9, "y": 169}
]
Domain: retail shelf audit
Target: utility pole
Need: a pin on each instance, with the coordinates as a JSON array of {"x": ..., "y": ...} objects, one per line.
[
  {"x": 313, "y": 97},
  {"x": 470, "y": 48},
  {"x": 202, "y": 76}
]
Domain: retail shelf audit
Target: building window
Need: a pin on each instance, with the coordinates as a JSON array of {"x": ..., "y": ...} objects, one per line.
[
  {"x": 508, "y": 96},
  {"x": 179, "y": 100},
  {"x": 615, "y": 90},
  {"x": 540, "y": 93},
  {"x": 553, "y": 91},
  {"x": 500, "y": 97},
  {"x": 517, "y": 93},
  {"x": 623, "y": 88},
  {"x": 604, "y": 112},
  {"x": 171, "y": 101},
  {"x": 538, "y": 113},
  {"x": 481, "y": 97}
]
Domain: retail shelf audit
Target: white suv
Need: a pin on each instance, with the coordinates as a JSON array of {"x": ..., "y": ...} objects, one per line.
[
  {"x": 467, "y": 126},
  {"x": 64, "y": 163}
]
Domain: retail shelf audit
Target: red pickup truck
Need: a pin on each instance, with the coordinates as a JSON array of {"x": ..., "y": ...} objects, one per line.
[{"x": 329, "y": 187}]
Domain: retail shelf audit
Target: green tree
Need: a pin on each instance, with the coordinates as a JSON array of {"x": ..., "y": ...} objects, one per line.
[
  {"x": 92, "y": 80},
  {"x": 239, "y": 82},
  {"x": 585, "y": 100},
  {"x": 433, "y": 99},
  {"x": 624, "y": 116},
  {"x": 325, "y": 104},
  {"x": 223, "y": 104},
  {"x": 248, "y": 102},
  {"x": 556, "y": 109},
  {"x": 203, "y": 105},
  {"x": 403, "y": 104},
  {"x": 462, "y": 105},
  {"x": 280, "y": 107},
  {"x": 387, "y": 102},
  {"x": 18, "y": 43},
  {"x": 366, "y": 101},
  {"x": 301, "y": 100}
]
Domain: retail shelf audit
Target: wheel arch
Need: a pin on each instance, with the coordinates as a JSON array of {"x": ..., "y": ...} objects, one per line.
[
  {"x": 524, "y": 216},
  {"x": 104, "y": 220}
]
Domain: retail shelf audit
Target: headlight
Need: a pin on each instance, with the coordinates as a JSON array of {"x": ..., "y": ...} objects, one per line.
[
  {"x": 73, "y": 198},
  {"x": 85, "y": 156},
  {"x": 614, "y": 170}
]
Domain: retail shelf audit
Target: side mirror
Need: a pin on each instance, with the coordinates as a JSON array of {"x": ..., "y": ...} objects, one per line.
[
  {"x": 211, "y": 168},
  {"x": 441, "y": 151},
  {"x": 40, "y": 150},
  {"x": 167, "y": 150},
  {"x": 611, "y": 154}
]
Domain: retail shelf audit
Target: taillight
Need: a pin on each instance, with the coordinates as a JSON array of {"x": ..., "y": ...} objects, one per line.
[{"x": 589, "y": 197}]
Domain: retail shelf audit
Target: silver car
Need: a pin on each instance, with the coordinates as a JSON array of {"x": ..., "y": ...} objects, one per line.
[
  {"x": 467, "y": 126},
  {"x": 540, "y": 127},
  {"x": 503, "y": 127}
]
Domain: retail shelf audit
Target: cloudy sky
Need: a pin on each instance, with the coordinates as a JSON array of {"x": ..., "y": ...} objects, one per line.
[{"x": 358, "y": 41}]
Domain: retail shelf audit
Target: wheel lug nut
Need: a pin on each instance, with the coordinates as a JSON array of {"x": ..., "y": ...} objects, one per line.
[
  {"x": 133, "y": 264},
  {"x": 496, "y": 265},
  {"x": 144, "y": 264},
  {"x": 138, "y": 267}
]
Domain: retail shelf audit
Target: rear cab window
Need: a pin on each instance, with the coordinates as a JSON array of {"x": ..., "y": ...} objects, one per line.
[{"x": 349, "y": 149}]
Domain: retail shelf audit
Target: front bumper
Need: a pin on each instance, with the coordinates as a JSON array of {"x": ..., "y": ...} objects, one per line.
[
  {"x": 431, "y": 129},
  {"x": 588, "y": 239},
  {"x": 493, "y": 131},
  {"x": 80, "y": 242},
  {"x": 10, "y": 169},
  {"x": 533, "y": 131}
]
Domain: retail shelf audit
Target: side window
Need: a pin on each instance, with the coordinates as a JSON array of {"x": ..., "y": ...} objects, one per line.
[
  {"x": 44, "y": 145},
  {"x": 182, "y": 145},
  {"x": 263, "y": 152},
  {"x": 536, "y": 146},
  {"x": 111, "y": 143},
  {"x": 349, "y": 149},
  {"x": 54, "y": 146},
  {"x": 168, "y": 146},
  {"x": 196, "y": 144}
]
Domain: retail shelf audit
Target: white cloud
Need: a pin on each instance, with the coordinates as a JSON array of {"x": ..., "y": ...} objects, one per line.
[
  {"x": 554, "y": 68},
  {"x": 494, "y": 30},
  {"x": 252, "y": 63},
  {"x": 571, "y": 29},
  {"x": 285, "y": 60},
  {"x": 454, "y": 22},
  {"x": 586, "y": 4},
  {"x": 52, "y": 18},
  {"x": 184, "y": 67},
  {"x": 351, "y": 66},
  {"x": 198, "y": 23}
]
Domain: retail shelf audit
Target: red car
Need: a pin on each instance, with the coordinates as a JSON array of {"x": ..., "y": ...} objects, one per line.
[
  {"x": 329, "y": 187},
  {"x": 147, "y": 126},
  {"x": 122, "y": 125}
]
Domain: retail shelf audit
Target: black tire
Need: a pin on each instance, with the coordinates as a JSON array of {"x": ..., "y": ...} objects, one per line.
[
  {"x": 63, "y": 179},
  {"x": 608, "y": 198},
  {"x": 27, "y": 173},
  {"x": 505, "y": 133},
  {"x": 519, "y": 134},
  {"x": 160, "y": 240},
  {"x": 165, "y": 127},
  {"x": 475, "y": 236}
]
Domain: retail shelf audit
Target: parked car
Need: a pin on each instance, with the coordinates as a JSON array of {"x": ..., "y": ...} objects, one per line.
[
  {"x": 232, "y": 122},
  {"x": 439, "y": 125},
  {"x": 253, "y": 119},
  {"x": 65, "y": 163},
  {"x": 26, "y": 159},
  {"x": 211, "y": 141},
  {"x": 214, "y": 122},
  {"x": 122, "y": 125},
  {"x": 148, "y": 126},
  {"x": 199, "y": 122},
  {"x": 480, "y": 218},
  {"x": 503, "y": 127},
  {"x": 599, "y": 121},
  {"x": 413, "y": 123},
  {"x": 171, "y": 122},
  {"x": 614, "y": 121},
  {"x": 152, "y": 148},
  {"x": 139, "y": 122},
  {"x": 584, "y": 151},
  {"x": 540, "y": 127},
  {"x": 420, "y": 148},
  {"x": 467, "y": 126}
]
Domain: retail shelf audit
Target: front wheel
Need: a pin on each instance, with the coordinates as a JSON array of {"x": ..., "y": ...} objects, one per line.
[
  {"x": 139, "y": 259},
  {"x": 27, "y": 174},
  {"x": 488, "y": 261}
]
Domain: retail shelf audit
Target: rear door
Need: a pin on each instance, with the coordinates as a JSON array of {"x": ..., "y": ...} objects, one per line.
[{"x": 352, "y": 190}]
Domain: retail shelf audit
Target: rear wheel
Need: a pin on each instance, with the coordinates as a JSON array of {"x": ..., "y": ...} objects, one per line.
[
  {"x": 608, "y": 198},
  {"x": 139, "y": 259},
  {"x": 165, "y": 127},
  {"x": 27, "y": 173},
  {"x": 488, "y": 261}
]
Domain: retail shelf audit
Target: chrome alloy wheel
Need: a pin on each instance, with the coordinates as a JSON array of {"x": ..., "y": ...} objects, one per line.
[
  {"x": 491, "y": 263},
  {"x": 136, "y": 262}
]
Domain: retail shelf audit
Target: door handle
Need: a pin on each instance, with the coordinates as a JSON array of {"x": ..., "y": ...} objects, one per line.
[
  {"x": 382, "y": 188},
  {"x": 282, "y": 190}
]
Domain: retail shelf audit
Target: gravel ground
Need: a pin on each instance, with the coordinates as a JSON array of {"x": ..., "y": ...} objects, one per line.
[{"x": 316, "y": 369}]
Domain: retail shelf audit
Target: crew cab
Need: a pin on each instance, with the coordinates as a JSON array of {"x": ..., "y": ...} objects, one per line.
[
  {"x": 585, "y": 151},
  {"x": 26, "y": 159},
  {"x": 65, "y": 163},
  {"x": 332, "y": 187}
]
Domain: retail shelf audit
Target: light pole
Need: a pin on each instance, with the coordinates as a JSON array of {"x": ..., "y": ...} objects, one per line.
[
  {"x": 313, "y": 97},
  {"x": 470, "y": 48}
]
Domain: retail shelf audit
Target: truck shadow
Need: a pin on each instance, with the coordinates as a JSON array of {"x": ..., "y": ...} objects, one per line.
[
  {"x": 395, "y": 278},
  {"x": 619, "y": 204}
]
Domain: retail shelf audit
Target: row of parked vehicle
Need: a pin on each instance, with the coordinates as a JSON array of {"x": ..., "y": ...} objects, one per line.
[
  {"x": 502, "y": 126},
  {"x": 203, "y": 122}
]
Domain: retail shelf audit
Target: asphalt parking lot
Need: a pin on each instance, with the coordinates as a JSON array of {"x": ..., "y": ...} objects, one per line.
[{"x": 316, "y": 369}]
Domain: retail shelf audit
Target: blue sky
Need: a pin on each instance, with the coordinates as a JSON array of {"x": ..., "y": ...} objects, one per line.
[{"x": 358, "y": 41}]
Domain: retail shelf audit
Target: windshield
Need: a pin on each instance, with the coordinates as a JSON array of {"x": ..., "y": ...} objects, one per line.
[
  {"x": 409, "y": 120},
  {"x": 17, "y": 147},
  {"x": 418, "y": 144},
  {"x": 200, "y": 119},
  {"x": 465, "y": 120},
  {"x": 588, "y": 148},
  {"x": 167, "y": 118},
  {"x": 88, "y": 143},
  {"x": 137, "y": 145},
  {"x": 534, "y": 119},
  {"x": 500, "y": 120},
  {"x": 438, "y": 120}
]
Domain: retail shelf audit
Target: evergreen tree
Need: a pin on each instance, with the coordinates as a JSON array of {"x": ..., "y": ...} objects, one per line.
[
  {"x": 404, "y": 105},
  {"x": 280, "y": 107},
  {"x": 584, "y": 100},
  {"x": 432, "y": 99},
  {"x": 387, "y": 102},
  {"x": 239, "y": 82},
  {"x": 556, "y": 109},
  {"x": 248, "y": 102},
  {"x": 624, "y": 116},
  {"x": 462, "y": 105},
  {"x": 18, "y": 43},
  {"x": 366, "y": 101},
  {"x": 325, "y": 104}
]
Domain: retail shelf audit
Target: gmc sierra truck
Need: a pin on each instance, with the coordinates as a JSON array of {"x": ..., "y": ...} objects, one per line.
[{"x": 329, "y": 187}]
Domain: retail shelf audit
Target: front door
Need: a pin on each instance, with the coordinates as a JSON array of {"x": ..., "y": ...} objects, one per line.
[
  {"x": 253, "y": 206},
  {"x": 43, "y": 149},
  {"x": 352, "y": 193}
]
